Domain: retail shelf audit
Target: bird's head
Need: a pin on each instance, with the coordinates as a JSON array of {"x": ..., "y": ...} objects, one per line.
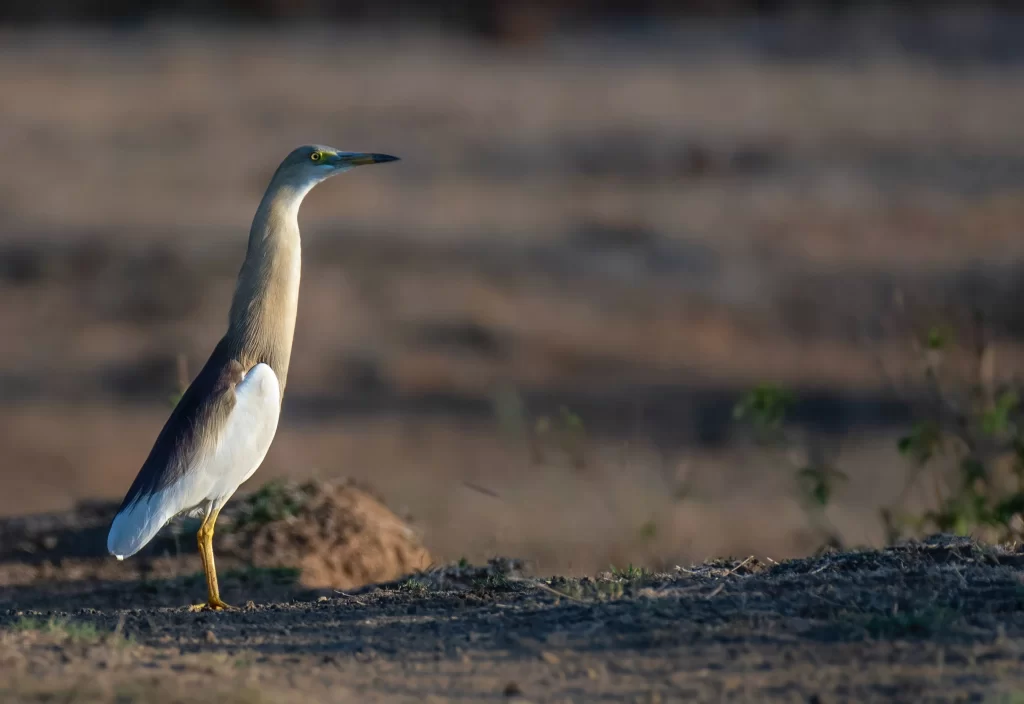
[{"x": 307, "y": 166}]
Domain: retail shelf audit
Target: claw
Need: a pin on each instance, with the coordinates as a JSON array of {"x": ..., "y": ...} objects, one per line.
[{"x": 212, "y": 605}]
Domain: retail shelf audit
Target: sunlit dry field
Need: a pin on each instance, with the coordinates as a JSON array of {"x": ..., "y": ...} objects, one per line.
[{"x": 634, "y": 234}]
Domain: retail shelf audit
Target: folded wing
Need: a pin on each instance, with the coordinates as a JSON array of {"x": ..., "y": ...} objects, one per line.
[{"x": 215, "y": 438}]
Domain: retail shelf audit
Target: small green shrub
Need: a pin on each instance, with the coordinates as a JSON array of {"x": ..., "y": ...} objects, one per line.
[
  {"x": 565, "y": 434},
  {"x": 77, "y": 631},
  {"x": 414, "y": 587},
  {"x": 765, "y": 409},
  {"x": 972, "y": 424},
  {"x": 630, "y": 573},
  {"x": 980, "y": 429},
  {"x": 274, "y": 501}
]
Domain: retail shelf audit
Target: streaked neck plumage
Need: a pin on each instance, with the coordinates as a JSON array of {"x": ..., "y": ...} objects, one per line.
[{"x": 262, "y": 320}]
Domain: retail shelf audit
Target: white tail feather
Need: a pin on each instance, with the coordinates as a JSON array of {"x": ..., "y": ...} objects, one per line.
[{"x": 137, "y": 524}]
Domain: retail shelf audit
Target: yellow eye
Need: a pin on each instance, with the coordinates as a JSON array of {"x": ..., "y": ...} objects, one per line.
[{"x": 316, "y": 156}]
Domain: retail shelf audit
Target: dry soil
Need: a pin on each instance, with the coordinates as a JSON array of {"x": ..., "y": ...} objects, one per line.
[{"x": 936, "y": 621}]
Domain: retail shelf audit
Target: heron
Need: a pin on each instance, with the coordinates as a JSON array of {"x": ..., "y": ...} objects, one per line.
[{"x": 222, "y": 426}]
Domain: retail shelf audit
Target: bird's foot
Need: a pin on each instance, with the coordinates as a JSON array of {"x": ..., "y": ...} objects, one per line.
[{"x": 211, "y": 605}]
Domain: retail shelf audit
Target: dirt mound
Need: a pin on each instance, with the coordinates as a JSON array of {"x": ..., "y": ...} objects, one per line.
[
  {"x": 337, "y": 534},
  {"x": 285, "y": 534}
]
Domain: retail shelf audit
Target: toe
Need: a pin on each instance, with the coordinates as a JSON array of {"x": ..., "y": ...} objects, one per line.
[{"x": 217, "y": 605}]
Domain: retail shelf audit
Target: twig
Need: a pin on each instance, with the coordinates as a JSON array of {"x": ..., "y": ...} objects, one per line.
[
  {"x": 554, "y": 591},
  {"x": 483, "y": 490},
  {"x": 352, "y": 597},
  {"x": 119, "y": 627},
  {"x": 738, "y": 566}
]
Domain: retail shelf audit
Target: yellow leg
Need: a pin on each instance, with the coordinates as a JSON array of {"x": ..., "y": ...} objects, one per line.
[{"x": 205, "y": 540}]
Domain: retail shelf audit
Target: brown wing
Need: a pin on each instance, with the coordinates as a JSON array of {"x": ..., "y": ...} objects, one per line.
[{"x": 197, "y": 417}]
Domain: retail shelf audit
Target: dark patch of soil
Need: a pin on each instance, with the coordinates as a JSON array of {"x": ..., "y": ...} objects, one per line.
[{"x": 940, "y": 620}]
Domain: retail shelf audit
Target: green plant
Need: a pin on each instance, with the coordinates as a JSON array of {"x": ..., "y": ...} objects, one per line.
[
  {"x": 1007, "y": 698},
  {"x": 765, "y": 409},
  {"x": 648, "y": 530},
  {"x": 414, "y": 587},
  {"x": 817, "y": 482},
  {"x": 972, "y": 425},
  {"x": 76, "y": 631},
  {"x": 561, "y": 436},
  {"x": 630, "y": 573},
  {"x": 978, "y": 428},
  {"x": 493, "y": 583},
  {"x": 584, "y": 588},
  {"x": 565, "y": 433},
  {"x": 922, "y": 443},
  {"x": 274, "y": 501}
]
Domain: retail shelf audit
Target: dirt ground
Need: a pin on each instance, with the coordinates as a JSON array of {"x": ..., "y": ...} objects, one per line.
[
  {"x": 528, "y": 337},
  {"x": 940, "y": 621}
]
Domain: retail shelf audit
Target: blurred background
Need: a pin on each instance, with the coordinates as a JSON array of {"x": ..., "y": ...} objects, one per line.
[{"x": 612, "y": 220}]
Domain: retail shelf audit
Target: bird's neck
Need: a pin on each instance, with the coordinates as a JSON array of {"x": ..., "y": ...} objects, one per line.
[{"x": 262, "y": 320}]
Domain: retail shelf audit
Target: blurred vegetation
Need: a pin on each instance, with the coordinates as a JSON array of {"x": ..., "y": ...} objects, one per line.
[
  {"x": 977, "y": 426},
  {"x": 72, "y": 630},
  {"x": 966, "y": 445},
  {"x": 765, "y": 409}
]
